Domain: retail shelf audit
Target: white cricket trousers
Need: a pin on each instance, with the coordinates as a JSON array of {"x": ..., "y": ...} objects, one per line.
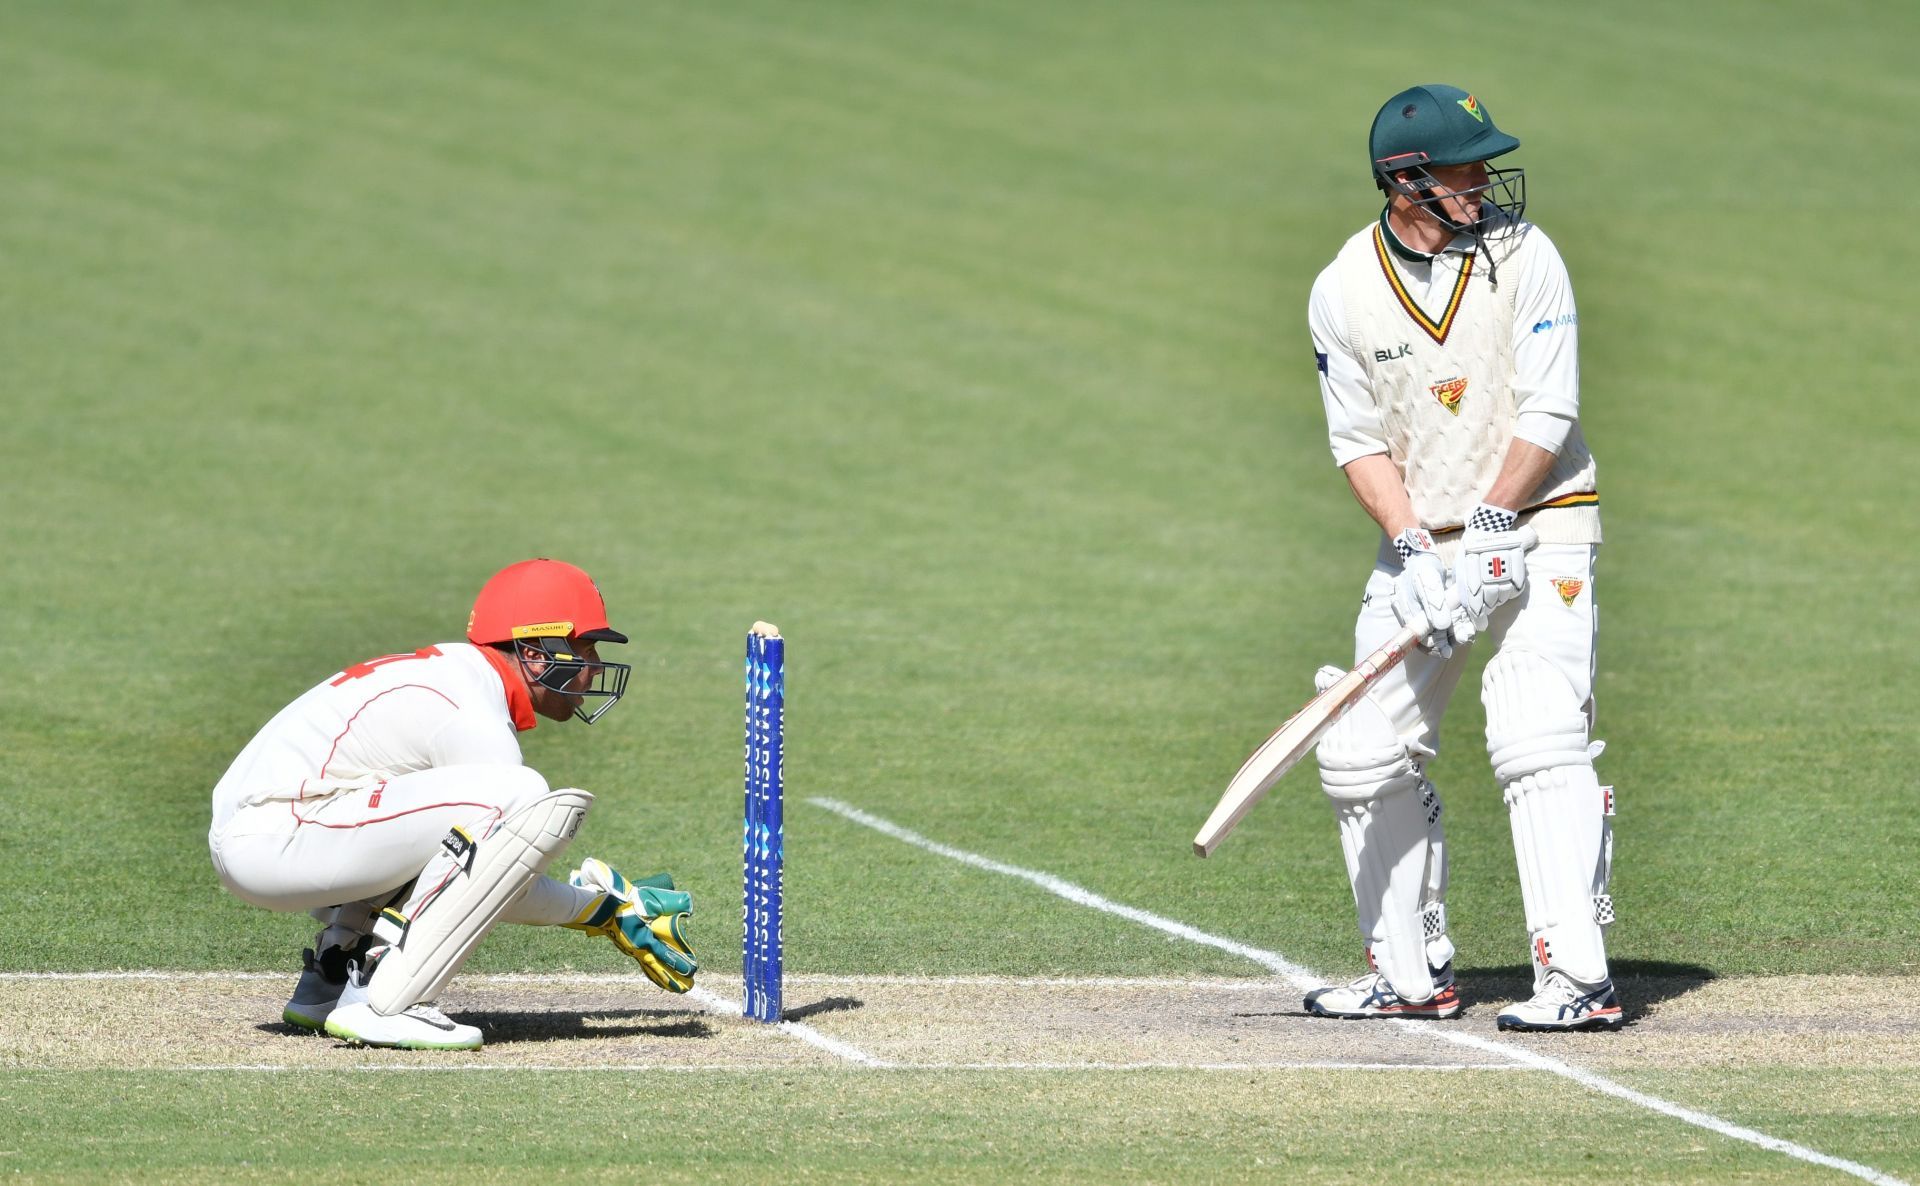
[
  {"x": 360, "y": 845},
  {"x": 1554, "y": 618}
]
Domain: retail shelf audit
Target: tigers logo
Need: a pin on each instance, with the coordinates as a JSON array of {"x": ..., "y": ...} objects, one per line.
[
  {"x": 1568, "y": 588},
  {"x": 1471, "y": 106},
  {"x": 1449, "y": 394}
]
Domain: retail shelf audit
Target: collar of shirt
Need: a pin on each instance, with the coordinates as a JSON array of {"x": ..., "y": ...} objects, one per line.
[
  {"x": 1461, "y": 243},
  {"x": 519, "y": 704}
]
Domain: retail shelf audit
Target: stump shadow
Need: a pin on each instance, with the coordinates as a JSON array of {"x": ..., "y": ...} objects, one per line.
[{"x": 824, "y": 1005}]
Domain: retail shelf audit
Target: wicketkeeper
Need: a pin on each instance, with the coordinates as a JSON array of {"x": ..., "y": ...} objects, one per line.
[
  {"x": 1447, "y": 344},
  {"x": 390, "y": 801}
]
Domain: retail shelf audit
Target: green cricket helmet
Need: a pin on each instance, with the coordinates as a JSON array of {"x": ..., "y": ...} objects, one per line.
[{"x": 1444, "y": 125}]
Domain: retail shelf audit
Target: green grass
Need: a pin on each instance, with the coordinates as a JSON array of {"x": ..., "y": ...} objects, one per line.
[
  {"x": 966, "y": 342},
  {"x": 1149, "y": 1126}
]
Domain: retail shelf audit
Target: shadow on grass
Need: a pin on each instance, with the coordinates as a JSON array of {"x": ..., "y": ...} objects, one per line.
[
  {"x": 824, "y": 1005},
  {"x": 502, "y": 1026},
  {"x": 1641, "y": 983}
]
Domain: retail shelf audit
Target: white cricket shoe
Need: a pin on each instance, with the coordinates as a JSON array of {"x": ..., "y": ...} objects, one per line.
[
  {"x": 1372, "y": 996},
  {"x": 1562, "y": 1005},
  {"x": 420, "y": 1027}
]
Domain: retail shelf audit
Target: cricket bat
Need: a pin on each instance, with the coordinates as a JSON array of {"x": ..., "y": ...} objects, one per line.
[{"x": 1295, "y": 738}]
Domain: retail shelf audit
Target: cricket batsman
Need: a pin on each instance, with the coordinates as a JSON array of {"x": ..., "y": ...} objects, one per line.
[
  {"x": 1446, "y": 340},
  {"x": 391, "y": 803}
]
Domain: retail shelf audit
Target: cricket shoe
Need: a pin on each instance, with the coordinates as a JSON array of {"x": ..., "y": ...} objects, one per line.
[
  {"x": 1562, "y": 1005},
  {"x": 420, "y": 1027},
  {"x": 322, "y": 979},
  {"x": 1372, "y": 996}
]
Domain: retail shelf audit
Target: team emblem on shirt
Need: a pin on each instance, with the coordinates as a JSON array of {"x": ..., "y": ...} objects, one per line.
[
  {"x": 1568, "y": 589},
  {"x": 1449, "y": 394}
]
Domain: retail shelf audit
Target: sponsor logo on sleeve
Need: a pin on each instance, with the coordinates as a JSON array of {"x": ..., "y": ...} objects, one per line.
[
  {"x": 1541, "y": 327},
  {"x": 1320, "y": 362}
]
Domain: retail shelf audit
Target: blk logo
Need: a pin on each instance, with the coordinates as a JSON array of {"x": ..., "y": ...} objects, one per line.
[{"x": 1405, "y": 351}]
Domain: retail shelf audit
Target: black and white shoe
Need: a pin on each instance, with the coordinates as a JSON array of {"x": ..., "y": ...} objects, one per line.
[{"x": 322, "y": 979}]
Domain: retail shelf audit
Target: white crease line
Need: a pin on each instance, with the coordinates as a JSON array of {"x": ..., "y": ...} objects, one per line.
[
  {"x": 787, "y": 1069},
  {"x": 1296, "y": 1065},
  {"x": 1654, "y": 1103},
  {"x": 1272, "y": 961},
  {"x": 1214, "y": 984},
  {"x": 149, "y": 974},
  {"x": 1306, "y": 979},
  {"x": 827, "y": 979},
  {"x": 794, "y": 1029}
]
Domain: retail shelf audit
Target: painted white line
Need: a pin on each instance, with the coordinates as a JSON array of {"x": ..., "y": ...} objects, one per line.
[
  {"x": 793, "y": 1029},
  {"x": 149, "y": 974},
  {"x": 784, "y": 1069},
  {"x": 1654, "y": 1103},
  {"x": 1304, "y": 978},
  {"x": 1297, "y": 1065},
  {"x": 1270, "y": 960},
  {"x": 1209, "y": 984},
  {"x": 826, "y": 979}
]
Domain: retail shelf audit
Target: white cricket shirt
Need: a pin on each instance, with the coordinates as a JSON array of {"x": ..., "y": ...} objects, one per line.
[{"x": 448, "y": 704}]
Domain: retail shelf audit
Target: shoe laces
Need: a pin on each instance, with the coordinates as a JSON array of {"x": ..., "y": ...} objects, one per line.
[{"x": 1559, "y": 989}]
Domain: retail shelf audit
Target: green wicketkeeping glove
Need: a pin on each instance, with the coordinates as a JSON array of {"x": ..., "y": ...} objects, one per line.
[
  {"x": 648, "y": 920},
  {"x": 653, "y": 896},
  {"x": 660, "y": 946}
]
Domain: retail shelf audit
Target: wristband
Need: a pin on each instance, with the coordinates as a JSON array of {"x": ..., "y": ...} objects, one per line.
[
  {"x": 1413, "y": 539},
  {"x": 1486, "y": 517}
]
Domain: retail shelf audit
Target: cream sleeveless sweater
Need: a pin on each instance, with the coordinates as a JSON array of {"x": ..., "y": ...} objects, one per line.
[{"x": 1443, "y": 388}]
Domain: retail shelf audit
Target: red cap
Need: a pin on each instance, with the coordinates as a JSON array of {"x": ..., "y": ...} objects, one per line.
[{"x": 540, "y": 599}]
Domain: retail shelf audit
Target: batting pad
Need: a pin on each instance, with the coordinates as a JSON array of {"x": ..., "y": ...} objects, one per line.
[
  {"x": 492, "y": 870},
  {"x": 1388, "y": 823},
  {"x": 1537, "y": 738}
]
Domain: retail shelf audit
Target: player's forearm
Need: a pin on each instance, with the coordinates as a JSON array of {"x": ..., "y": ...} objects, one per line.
[
  {"x": 1521, "y": 473},
  {"x": 1377, "y": 485}
]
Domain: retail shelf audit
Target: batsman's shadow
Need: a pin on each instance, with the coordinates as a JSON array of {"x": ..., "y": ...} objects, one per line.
[{"x": 1640, "y": 983}]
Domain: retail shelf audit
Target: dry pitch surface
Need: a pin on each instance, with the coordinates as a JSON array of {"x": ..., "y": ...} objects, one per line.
[{"x": 70, "y": 1022}]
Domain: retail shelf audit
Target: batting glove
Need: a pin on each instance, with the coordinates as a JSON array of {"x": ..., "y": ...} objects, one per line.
[
  {"x": 1420, "y": 591},
  {"x": 1492, "y": 567}
]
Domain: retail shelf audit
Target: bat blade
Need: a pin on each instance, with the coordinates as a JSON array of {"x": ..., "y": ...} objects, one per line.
[{"x": 1294, "y": 739}]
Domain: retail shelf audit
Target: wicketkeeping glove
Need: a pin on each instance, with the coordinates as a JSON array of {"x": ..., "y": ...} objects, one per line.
[
  {"x": 1492, "y": 567},
  {"x": 647, "y": 920}
]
